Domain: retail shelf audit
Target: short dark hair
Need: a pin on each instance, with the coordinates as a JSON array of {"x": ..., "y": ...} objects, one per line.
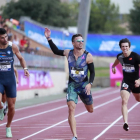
[
  {"x": 74, "y": 36},
  {"x": 2, "y": 31},
  {"x": 125, "y": 40}
]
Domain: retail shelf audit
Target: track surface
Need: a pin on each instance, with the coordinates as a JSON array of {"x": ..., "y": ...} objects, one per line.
[{"x": 48, "y": 121}]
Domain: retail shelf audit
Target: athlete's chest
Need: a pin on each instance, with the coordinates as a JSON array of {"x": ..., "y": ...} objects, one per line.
[{"x": 129, "y": 64}]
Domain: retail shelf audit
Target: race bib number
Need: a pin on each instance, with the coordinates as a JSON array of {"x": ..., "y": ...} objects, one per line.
[
  {"x": 77, "y": 72},
  {"x": 128, "y": 68},
  {"x": 5, "y": 66},
  {"x": 125, "y": 85}
]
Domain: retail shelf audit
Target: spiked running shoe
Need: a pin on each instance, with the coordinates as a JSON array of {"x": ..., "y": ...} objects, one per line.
[
  {"x": 125, "y": 127},
  {"x": 8, "y": 132},
  {"x": 1, "y": 112},
  {"x": 74, "y": 138}
]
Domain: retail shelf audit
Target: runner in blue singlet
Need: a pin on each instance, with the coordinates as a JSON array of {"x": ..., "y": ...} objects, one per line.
[{"x": 7, "y": 77}]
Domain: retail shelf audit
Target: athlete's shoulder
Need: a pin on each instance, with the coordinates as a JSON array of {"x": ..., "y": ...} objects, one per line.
[
  {"x": 119, "y": 55},
  {"x": 86, "y": 52},
  {"x": 134, "y": 53}
]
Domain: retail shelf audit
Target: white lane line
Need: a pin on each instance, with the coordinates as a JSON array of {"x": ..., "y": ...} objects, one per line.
[
  {"x": 113, "y": 123},
  {"x": 67, "y": 119},
  {"x": 32, "y": 106},
  {"x": 99, "y": 96},
  {"x": 36, "y": 114}
]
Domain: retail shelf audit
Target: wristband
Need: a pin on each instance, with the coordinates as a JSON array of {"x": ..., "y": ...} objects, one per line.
[
  {"x": 91, "y": 83},
  {"x": 48, "y": 37},
  {"x": 25, "y": 68}
]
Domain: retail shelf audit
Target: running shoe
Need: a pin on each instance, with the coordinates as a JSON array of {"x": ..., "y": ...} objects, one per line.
[
  {"x": 74, "y": 138},
  {"x": 8, "y": 132},
  {"x": 125, "y": 127},
  {"x": 1, "y": 112}
]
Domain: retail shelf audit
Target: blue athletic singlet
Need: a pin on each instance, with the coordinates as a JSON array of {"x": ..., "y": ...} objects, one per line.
[
  {"x": 78, "y": 70},
  {"x": 78, "y": 79},
  {"x": 7, "y": 76}
]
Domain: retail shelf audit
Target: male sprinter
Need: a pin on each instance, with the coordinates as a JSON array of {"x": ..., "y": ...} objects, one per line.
[
  {"x": 7, "y": 77},
  {"x": 80, "y": 61},
  {"x": 130, "y": 63}
]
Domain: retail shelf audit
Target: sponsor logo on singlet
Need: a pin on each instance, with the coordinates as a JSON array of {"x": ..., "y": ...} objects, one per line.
[{"x": 8, "y": 52}]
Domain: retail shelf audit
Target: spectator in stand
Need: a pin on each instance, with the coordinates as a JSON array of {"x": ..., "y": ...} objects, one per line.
[
  {"x": 10, "y": 35},
  {"x": 6, "y": 28},
  {"x": 27, "y": 46},
  {"x": 16, "y": 40},
  {"x": 22, "y": 44}
]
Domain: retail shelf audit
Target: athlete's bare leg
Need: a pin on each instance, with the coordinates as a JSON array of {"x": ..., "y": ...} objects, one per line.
[
  {"x": 71, "y": 118},
  {"x": 125, "y": 97},
  {"x": 89, "y": 108},
  {"x": 11, "y": 110},
  {"x": 137, "y": 96}
]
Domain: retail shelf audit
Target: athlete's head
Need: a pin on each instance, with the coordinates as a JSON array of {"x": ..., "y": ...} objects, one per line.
[
  {"x": 125, "y": 40},
  {"x": 77, "y": 41},
  {"x": 125, "y": 45},
  {"x": 3, "y": 36}
]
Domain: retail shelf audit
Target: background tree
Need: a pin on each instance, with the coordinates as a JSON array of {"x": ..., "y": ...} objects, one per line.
[
  {"x": 134, "y": 17},
  {"x": 104, "y": 18},
  {"x": 51, "y": 12}
]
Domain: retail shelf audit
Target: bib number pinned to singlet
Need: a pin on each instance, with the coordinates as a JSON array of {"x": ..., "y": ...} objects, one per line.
[
  {"x": 5, "y": 67},
  {"x": 128, "y": 68},
  {"x": 77, "y": 72},
  {"x": 125, "y": 85}
]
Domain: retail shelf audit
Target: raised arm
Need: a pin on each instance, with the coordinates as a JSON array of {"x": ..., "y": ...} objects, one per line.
[{"x": 53, "y": 46}]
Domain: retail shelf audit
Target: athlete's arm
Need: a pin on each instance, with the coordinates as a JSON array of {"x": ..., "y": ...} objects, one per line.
[
  {"x": 16, "y": 74},
  {"x": 114, "y": 65},
  {"x": 90, "y": 64},
  {"x": 21, "y": 59},
  {"x": 53, "y": 46}
]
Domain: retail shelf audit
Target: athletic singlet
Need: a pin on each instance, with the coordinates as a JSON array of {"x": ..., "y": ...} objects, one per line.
[
  {"x": 130, "y": 66},
  {"x": 6, "y": 62},
  {"x": 78, "y": 70}
]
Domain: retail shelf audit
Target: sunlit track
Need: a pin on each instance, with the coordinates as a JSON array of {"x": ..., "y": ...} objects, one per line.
[
  {"x": 30, "y": 116},
  {"x": 48, "y": 121},
  {"x": 97, "y": 137},
  {"x": 67, "y": 119},
  {"x": 95, "y": 92}
]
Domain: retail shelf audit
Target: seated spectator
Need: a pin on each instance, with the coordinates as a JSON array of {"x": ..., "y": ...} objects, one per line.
[
  {"x": 27, "y": 46},
  {"x": 15, "y": 40},
  {"x": 10, "y": 35},
  {"x": 22, "y": 44},
  {"x": 6, "y": 28}
]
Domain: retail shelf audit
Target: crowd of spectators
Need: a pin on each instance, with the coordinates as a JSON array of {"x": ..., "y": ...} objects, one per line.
[{"x": 24, "y": 43}]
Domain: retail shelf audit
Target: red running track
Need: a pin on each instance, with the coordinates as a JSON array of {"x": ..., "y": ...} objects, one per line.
[{"x": 48, "y": 121}]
